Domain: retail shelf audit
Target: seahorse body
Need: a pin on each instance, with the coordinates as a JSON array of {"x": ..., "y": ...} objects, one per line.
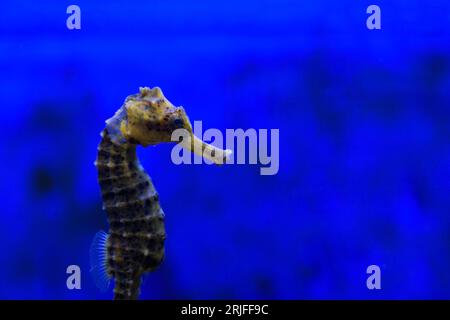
[
  {"x": 135, "y": 243},
  {"x": 136, "y": 233}
]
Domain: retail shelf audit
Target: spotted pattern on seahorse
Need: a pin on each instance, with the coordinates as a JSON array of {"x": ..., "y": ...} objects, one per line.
[{"x": 135, "y": 242}]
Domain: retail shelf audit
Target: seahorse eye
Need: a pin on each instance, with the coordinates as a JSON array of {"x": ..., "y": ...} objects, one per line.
[{"x": 178, "y": 123}]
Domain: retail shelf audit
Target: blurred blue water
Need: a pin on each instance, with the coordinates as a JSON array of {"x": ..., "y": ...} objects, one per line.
[{"x": 364, "y": 144}]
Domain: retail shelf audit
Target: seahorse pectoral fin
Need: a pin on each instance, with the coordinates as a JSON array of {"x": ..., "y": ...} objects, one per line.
[{"x": 205, "y": 150}]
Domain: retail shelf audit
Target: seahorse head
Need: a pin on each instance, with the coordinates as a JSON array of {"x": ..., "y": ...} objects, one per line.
[{"x": 151, "y": 119}]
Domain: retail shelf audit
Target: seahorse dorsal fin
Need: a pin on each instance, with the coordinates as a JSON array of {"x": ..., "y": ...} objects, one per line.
[{"x": 99, "y": 268}]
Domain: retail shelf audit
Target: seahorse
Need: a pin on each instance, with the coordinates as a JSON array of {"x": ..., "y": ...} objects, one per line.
[{"x": 135, "y": 242}]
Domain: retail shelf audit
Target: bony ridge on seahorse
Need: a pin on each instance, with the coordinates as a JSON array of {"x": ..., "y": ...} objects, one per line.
[{"x": 134, "y": 244}]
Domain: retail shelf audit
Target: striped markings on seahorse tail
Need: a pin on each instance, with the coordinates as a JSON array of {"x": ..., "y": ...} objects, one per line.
[
  {"x": 135, "y": 242},
  {"x": 136, "y": 235}
]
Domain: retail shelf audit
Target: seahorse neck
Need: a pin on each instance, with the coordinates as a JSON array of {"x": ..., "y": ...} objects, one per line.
[
  {"x": 116, "y": 159},
  {"x": 125, "y": 149}
]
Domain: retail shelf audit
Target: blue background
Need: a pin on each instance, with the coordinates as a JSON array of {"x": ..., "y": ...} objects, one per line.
[{"x": 364, "y": 125}]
